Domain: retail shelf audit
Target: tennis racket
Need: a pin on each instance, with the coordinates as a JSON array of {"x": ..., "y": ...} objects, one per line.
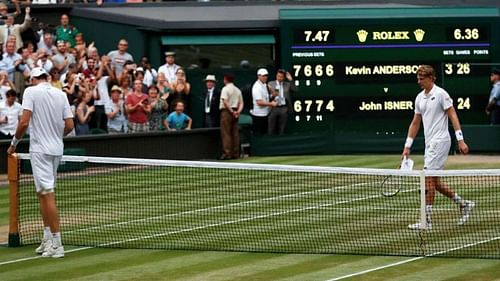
[{"x": 392, "y": 184}]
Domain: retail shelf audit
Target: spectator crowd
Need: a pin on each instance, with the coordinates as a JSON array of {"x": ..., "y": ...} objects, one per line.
[{"x": 110, "y": 93}]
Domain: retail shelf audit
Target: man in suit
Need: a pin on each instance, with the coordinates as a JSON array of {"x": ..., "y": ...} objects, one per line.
[
  {"x": 280, "y": 91},
  {"x": 211, "y": 104},
  {"x": 11, "y": 29}
]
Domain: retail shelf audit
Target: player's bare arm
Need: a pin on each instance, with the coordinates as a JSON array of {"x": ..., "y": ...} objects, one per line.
[
  {"x": 412, "y": 133},
  {"x": 69, "y": 125},
  {"x": 21, "y": 129},
  {"x": 452, "y": 115}
]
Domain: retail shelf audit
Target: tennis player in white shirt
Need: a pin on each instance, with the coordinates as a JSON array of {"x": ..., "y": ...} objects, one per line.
[
  {"x": 47, "y": 112},
  {"x": 433, "y": 108}
]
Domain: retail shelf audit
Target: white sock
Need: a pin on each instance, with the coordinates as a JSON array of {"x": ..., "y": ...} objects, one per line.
[
  {"x": 56, "y": 239},
  {"x": 428, "y": 213},
  {"x": 457, "y": 199},
  {"x": 47, "y": 235}
]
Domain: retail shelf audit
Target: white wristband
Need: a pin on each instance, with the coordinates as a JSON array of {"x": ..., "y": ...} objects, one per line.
[
  {"x": 14, "y": 141},
  {"x": 409, "y": 142},
  {"x": 459, "y": 135}
]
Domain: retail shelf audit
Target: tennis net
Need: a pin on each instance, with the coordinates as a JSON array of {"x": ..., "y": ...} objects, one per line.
[{"x": 164, "y": 204}]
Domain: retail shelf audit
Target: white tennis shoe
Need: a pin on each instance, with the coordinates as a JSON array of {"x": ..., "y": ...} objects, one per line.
[
  {"x": 466, "y": 211},
  {"x": 46, "y": 244},
  {"x": 54, "y": 252},
  {"x": 419, "y": 226}
]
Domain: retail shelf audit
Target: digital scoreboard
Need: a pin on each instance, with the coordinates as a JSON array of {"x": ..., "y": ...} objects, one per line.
[{"x": 356, "y": 68}]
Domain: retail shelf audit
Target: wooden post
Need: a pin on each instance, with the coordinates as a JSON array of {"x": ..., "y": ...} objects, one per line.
[{"x": 13, "y": 176}]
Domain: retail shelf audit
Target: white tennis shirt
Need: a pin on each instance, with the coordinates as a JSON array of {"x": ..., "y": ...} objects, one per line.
[
  {"x": 432, "y": 107},
  {"x": 49, "y": 107},
  {"x": 260, "y": 92}
]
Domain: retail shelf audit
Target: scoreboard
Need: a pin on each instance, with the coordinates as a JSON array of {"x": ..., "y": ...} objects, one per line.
[{"x": 356, "y": 68}]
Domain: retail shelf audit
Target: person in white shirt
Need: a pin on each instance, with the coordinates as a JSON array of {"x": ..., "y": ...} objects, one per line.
[
  {"x": 150, "y": 73},
  {"x": 433, "y": 108},
  {"x": 261, "y": 104},
  {"x": 47, "y": 112},
  {"x": 10, "y": 110},
  {"x": 169, "y": 69}
]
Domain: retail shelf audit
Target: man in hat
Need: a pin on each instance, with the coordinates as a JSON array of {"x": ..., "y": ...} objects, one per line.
[
  {"x": 212, "y": 102},
  {"x": 47, "y": 112},
  {"x": 169, "y": 69},
  {"x": 231, "y": 105},
  {"x": 120, "y": 56},
  {"x": 261, "y": 104},
  {"x": 115, "y": 110},
  {"x": 493, "y": 107}
]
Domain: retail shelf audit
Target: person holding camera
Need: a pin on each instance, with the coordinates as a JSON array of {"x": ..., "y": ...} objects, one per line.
[{"x": 138, "y": 109}]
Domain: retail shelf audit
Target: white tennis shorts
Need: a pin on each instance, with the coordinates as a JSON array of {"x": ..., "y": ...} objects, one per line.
[
  {"x": 436, "y": 154},
  {"x": 44, "y": 168}
]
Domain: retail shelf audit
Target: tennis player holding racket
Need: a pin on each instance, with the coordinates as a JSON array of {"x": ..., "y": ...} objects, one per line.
[{"x": 433, "y": 107}]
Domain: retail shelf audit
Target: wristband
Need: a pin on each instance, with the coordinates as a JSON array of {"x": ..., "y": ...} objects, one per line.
[
  {"x": 409, "y": 142},
  {"x": 14, "y": 141},
  {"x": 459, "y": 135}
]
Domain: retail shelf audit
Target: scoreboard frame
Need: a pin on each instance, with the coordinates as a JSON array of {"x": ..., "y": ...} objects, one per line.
[{"x": 355, "y": 68}]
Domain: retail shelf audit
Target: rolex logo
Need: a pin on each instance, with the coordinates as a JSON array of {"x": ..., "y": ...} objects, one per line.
[
  {"x": 419, "y": 34},
  {"x": 362, "y": 35}
]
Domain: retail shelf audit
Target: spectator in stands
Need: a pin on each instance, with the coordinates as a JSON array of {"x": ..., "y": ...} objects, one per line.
[
  {"x": 281, "y": 90},
  {"x": 54, "y": 78},
  {"x": 150, "y": 74},
  {"x": 169, "y": 69},
  {"x": 92, "y": 52},
  {"x": 4, "y": 11},
  {"x": 14, "y": 30},
  {"x": 212, "y": 102},
  {"x": 80, "y": 44},
  {"x": 115, "y": 111},
  {"x": 163, "y": 87},
  {"x": 493, "y": 107},
  {"x": 261, "y": 104},
  {"x": 120, "y": 56},
  {"x": 124, "y": 84},
  {"x": 63, "y": 58},
  {"x": 139, "y": 75},
  {"x": 72, "y": 87},
  {"x": 47, "y": 43},
  {"x": 83, "y": 113},
  {"x": 10, "y": 112},
  {"x": 159, "y": 107},
  {"x": 91, "y": 69},
  {"x": 231, "y": 105},
  {"x": 5, "y": 85},
  {"x": 179, "y": 90},
  {"x": 23, "y": 69},
  {"x": 178, "y": 120},
  {"x": 11, "y": 60},
  {"x": 44, "y": 61},
  {"x": 138, "y": 108},
  {"x": 66, "y": 32}
]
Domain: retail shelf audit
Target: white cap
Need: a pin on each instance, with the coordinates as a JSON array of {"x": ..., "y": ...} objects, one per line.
[
  {"x": 262, "y": 71},
  {"x": 139, "y": 69},
  {"x": 210, "y": 78},
  {"x": 38, "y": 71}
]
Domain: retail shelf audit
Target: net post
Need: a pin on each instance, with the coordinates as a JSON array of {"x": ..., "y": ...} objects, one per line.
[
  {"x": 423, "y": 214},
  {"x": 13, "y": 177}
]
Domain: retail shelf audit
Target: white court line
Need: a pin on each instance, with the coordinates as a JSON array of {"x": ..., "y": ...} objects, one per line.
[
  {"x": 217, "y": 207},
  {"x": 199, "y": 227},
  {"x": 413, "y": 259}
]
